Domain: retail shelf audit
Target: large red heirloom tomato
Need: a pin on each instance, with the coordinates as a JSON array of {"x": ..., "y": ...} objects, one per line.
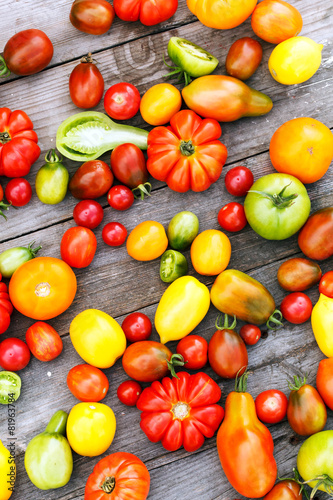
[{"x": 149, "y": 12}]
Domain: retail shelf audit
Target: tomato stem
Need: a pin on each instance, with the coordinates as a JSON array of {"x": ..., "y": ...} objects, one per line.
[
  {"x": 4, "y": 206},
  {"x": 278, "y": 200},
  {"x": 175, "y": 360},
  {"x": 32, "y": 250},
  {"x": 187, "y": 148},
  {"x": 276, "y": 321},
  {"x": 297, "y": 384},
  {"x": 52, "y": 157},
  {"x": 4, "y": 137},
  {"x": 4, "y": 71},
  {"x": 142, "y": 190},
  {"x": 177, "y": 70},
  {"x": 87, "y": 59},
  {"x": 241, "y": 382},
  {"x": 108, "y": 484},
  {"x": 225, "y": 325}
]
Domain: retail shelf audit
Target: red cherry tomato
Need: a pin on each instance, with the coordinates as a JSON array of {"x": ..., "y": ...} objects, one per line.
[
  {"x": 18, "y": 192},
  {"x": 271, "y": 406},
  {"x": 114, "y": 234},
  {"x": 296, "y": 308},
  {"x": 122, "y": 101},
  {"x": 88, "y": 213},
  {"x": 14, "y": 354},
  {"x": 128, "y": 392},
  {"x": 86, "y": 84},
  {"x": 78, "y": 246},
  {"x": 137, "y": 326},
  {"x": 87, "y": 383},
  {"x": 194, "y": 350},
  {"x": 250, "y": 334},
  {"x": 238, "y": 181},
  {"x": 231, "y": 217},
  {"x": 4, "y": 319},
  {"x": 326, "y": 284},
  {"x": 43, "y": 341},
  {"x": 120, "y": 197}
]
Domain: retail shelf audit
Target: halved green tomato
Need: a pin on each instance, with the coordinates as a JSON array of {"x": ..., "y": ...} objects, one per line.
[
  {"x": 173, "y": 265},
  {"x": 10, "y": 387}
]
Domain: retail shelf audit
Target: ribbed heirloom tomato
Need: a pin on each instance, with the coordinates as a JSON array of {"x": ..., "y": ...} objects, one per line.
[{"x": 149, "y": 12}]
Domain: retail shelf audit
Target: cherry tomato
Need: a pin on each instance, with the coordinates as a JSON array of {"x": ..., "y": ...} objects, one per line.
[
  {"x": 137, "y": 326},
  {"x": 114, "y": 234},
  {"x": 92, "y": 16},
  {"x": 194, "y": 350},
  {"x": 4, "y": 319},
  {"x": 160, "y": 103},
  {"x": 147, "y": 241},
  {"x": 296, "y": 308},
  {"x": 18, "y": 192},
  {"x": 14, "y": 354},
  {"x": 43, "y": 341},
  {"x": 120, "y": 197},
  {"x": 87, "y": 383},
  {"x": 271, "y": 406},
  {"x": 88, "y": 213},
  {"x": 243, "y": 58},
  {"x": 78, "y": 246},
  {"x": 86, "y": 84},
  {"x": 238, "y": 181},
  {"x": 128, "y": 392},
  {"x": 250, "y": 334},
  {"x": 122, "y": 101},
  {"x": 231, "y": 217},
  {"x": 326, "y": 284}
]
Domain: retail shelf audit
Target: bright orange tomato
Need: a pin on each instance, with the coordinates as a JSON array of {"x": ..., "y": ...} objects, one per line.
[
  {"x": 210, "y": 252},
  {"x": 42, "y": 288},
  {"x": 147, "y": 241},
  {"x": 221, "y": 14},
  {"x": 160, "y": 103}
]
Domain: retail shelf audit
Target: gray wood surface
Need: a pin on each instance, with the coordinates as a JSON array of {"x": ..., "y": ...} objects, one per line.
[{"x": 117, "y": 284}]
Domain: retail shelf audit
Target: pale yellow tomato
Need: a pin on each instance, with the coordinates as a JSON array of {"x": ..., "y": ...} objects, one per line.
[
  {"x": 160, "y": 103},
  {"x": 210, "y": 252},
  {"x": 7, "y": 473},
  {"x": 147, "y": 241}
]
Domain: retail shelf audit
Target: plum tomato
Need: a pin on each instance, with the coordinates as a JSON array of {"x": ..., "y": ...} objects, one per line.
[
  {"x": 78, "y": 246},
  {"x": 87, "y": 383},
  {"x": 238, "y": 181},
  {"x": 324, "y": 381},
  {"x": 92, "y": 16},
  {"x": 120, "y": 197},
  {"x": 271, "y": 406},
  {"x": 243, "y": 58},
  {"x": 194, "y": 350},
  {"x": 231, "y": 217},
  {"x": 91, "y": 180},
  {"x": 128, "y": 392},
  {"x": 114, "y": 234},
  {"x": 250, "y": 334},
  {"x": 296, "y": 308},
  {"x": 88, "y": 213},
  {"x": 298, "y": 274},
  {"x": 137, "y": 326},
  {"x": 18, "y": 192},
  {"x": 147, "y": 241},
  {"x": 43, "y": 341},
  {"x": 326, "y": 284},
  {"x": 86, "y": 84},
  {"x": 122, "y": 101},
  {"x": 14, "y": 354}
]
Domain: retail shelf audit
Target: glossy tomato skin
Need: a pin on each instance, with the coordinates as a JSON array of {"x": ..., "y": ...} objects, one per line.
[
  {"x": 222, "y": 15},
  {"x": 87, "y": 383},
  {"x": 315, "y": 238},
  {"x": 114, "y": 234},
  {"x": 194, "y": 350},
  {"x": 14, "y": 354},
  {"x": 43, "y": 341},
  {"x": 149, "y": 12},
  {"x": 210, "y": 252},
  {"x": 324, "y": 381},
  {"x": 129, "y": 392},
  {"x": 18, "y": 192},
  {"x": 92, "y": 16},
  {"x": 146, "y": 361},
  {"x": 285, "y": 490},
  {"x": 306, "y": 411},
  {"x": 147, "y": 241},
  {"x": 326, "y": 284},
  {"x": 128, "y": 165},
  {"x": 78, "y": 246},
  {"x": 250, "y": 334},
  {"x": 120, "y": 198},
  {"x": 122, "y": 101},
  {"x": 86, "y": 84},
  {"x": 160, "y": 103},
  {"x": 298, "y": 274},
  {"x": 296, "y": 308},
  {"x": 91, "y": 180},
  {"x": 238, "y": 181},
  {"x": 271, "y": 406},
  {"x": 243, "y": 58},
  {"x": 227, "y": 354},
  {"x": 231, "y": 217},
  {"x": 88, "y": 213},
  {"x": 137, "y": 326}
]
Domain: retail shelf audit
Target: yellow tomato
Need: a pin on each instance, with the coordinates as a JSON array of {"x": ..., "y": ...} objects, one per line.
[
  {"x": 182, "y": 306},
  {"x": 90, "y": 428},
  {"x": 147, "y": 241},
  {"x": 295, "y": 60},
  {"x": 160, "y": 103},
  {"x": 7, "y": 473},
  {"x": 322, "y": 324},
  {"x": 97, "y": 338},
  {"x": 210, "y": 252},
  {"x": 219, "y": 14}
]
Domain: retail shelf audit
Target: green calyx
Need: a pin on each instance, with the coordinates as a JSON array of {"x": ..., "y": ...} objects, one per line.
[
  {"x": 175, "y": 360},
  {"x": 323, "y": 480},
  {"x": 4, "y": 137},
  {"x": 298, "y": 383},
  {"x": 224, "y": 325},
  {"x": 4, "y": 206},
  {"x": 177, "y": 70},
  {"x": 142, "y": 190},
  {"x": 108, "y": 484},
  {"x": 278, "y": 200},
  {"x": 187, "y": 148},
  {"x": 52, "y": 157},
  {"x": 241, "y": 382},
  {"x": 4, "y": 71},
  {"x": 275, "y": 320},
  {"x": 33, "y": 251}
]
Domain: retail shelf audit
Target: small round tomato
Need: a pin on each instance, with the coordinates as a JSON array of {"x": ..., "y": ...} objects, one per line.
[
  {"x": 324, "y": 381},
  {"x": 86, "y": 84},
  {"x": 120, "y": 198},
  {"x": 87, "y": 383},
  {"x": 4, "y": 319},
  {"x": 296, "y": 308},
  {"x": 147, "y": 241},
  {"x": 18, "y": 192},
  {"x": 250, "y": 334},
  {"x": 231, "y": 217},
  {"x": 78, "y": 246},
  {"x": 210, "y": 252},
  {"x": 137, "y": 326},
  {"x": 14, "y": 354},
  {"x": 88, "y": 213},
  {"x": 243, "y": 58},
  {"x": 92, "y": 16},
  {"x": 194, "y": 350},
  {"x": 122, "y": 101},
  {"x": 326, "y": 284},
  {"x": 43, "y": 341},
  {"x": 114, "y": 234},
  {"x": 238, "y": 181},
  {"x": 160, "y": 103},
  {"x": 271, "y": 406},
  {"x": 128, "y": 392},
  {"x": 285, "y": 490}
]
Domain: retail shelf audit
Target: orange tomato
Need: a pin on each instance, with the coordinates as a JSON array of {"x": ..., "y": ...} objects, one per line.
[
  {"x": 42, "y": 288},
  {"x": 221, "y": 14},
  {"x": 302, "y": 147},
  {"x": 147, "y": 241},
  {"x": 160, "y": 103},
  {"x": 210, "y": 252}
]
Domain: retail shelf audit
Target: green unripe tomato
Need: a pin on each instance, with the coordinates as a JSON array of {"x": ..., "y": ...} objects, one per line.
[
  {"x": 13, "y": 258},
  {"x": 182, "y": 230},
  {"x": 52, "y": 180}
]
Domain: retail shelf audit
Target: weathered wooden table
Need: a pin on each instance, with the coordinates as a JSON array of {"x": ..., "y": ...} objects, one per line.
[{"x": 117, "y": 284}]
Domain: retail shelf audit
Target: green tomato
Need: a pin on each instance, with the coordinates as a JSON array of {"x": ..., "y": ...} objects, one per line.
[
  {"x": 10, "y": 387},
  {"x": 52, "y": 180},
  {"x": 277, "y": 206},
  {"x": 13, "y": 258},
  {"x": 173, "y": 265},
  {"x": 182, "y": 230}
]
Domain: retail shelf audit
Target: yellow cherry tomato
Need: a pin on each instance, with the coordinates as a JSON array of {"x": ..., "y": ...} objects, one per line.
[
  {"x": 97, "y": 338},
  {"x": 210, "y": 252},
  {"x": 147, "y": 241},
  {"x": 322, "y": 324},
  {"x": 182, "y": 306},
  {"x": 7, "y": 473},
  {"x": 160, "y": 103},
  {"x": 295, "y": 60},
  {"x": 90, "y": 428}
]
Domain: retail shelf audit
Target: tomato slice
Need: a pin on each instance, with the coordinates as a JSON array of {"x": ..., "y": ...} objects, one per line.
[{"x": 10, "y": 387}]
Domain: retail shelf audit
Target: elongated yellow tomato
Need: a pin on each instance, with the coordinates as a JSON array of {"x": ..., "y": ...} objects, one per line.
[
  {"x": 182, "y": 306},
  {"x": 210, "y": 252},
  {"x": 97, "y": 338},
  {"x": 322, "y": 324},
  {"x": 7, "y": 473},
  {"x": 147, "y": 241},
  {"x": 160, "y": 103},
  {"x": 223, "y": 14}
]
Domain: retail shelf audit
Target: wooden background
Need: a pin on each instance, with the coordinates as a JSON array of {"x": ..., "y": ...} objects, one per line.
[{"x": 117, "y": 284}]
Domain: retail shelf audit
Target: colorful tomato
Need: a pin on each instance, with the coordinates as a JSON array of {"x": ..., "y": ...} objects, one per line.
[
  {"x": 86, "y": 84},
  {"x": 137, "y": 326},
  {"x": 4, "y": 319},
  {"x": 238, "y": 181},
  {"x": 128, "y": 392},
  {"x": 285, "y": 490},
  {"x": 173, "y": 265},
  {"x": 91, "y": 180},
  {"x": 322, "y": 323},
  {"x": 43, "y": 341},
  {"x": 296, "y": 308},
  {"x": 120, "y": 198},
  {"x": 221, "y": 15},
  {"x": 271, "y": 406},
  {"x": 92, "y": 16},
  {"x": 87, "y": 383},
  {"x": 186, "y": 155},
  {"x": 7, "y": 473},
  {"x": 149, "y": 12},
  {"x": 315, "y": 238},
  {"x": 10, "y": 387},
  {"x": 324, "y": 381},
  {"x": 52, "y": 179},
  {"x": 298, "y": 274},
  {"x": 231, "y": 217},
  {"x": 194, "y": 350},
  {"x": 128, "y": 165},
  {"x": 182, "y": 230},
  {"x": 88, "y": 213},
  {"x": 122, "y": 101},
  {"x": 326, "y": 284},
  {"x": 160, "y": 103},
  {"x": 13, "y": 258},
  {"x": 114, "y": 234},
  {"x": 250, "y": 334},
  {"x": 78, "y": 246},
  {"x": 18, "y": 192},
  {"x": 42, "y": 288},
  {"x": 210, "y": 252},
  {"x": 147, "y": 241},
  {"x": 275, "y": 21},
  {"x": 14, "y": 354},
  {"x": 243, "y": 58}
]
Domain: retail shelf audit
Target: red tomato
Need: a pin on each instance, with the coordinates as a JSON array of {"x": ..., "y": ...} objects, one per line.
[
  {"x": 4, "y": 319},
  {"x": 92, "y": 16},
  {"x": 14, "y": 354},
  {"x": 114, "y": 234},
  {"x": 250, "y": 334},
  {"x": 88, "y": 213},
  {"x": 137, "y": 326},
  {"x": 324, "y": 381},
  {"x": 326, "y": 284},
  {"x": 238, "y": 181},
  {"x": 43, "y": 341},
  {"x": 91, "y": 180},
  {"x": 129, "y": 167},
  {"x": 243, "y": 58},
  {"x": 87, "y": 383},
  {"x": 128, "y": 392},
  {"x": 285, "y": 490},
  {"x": 7, "y": 305},
  {"x": 120, "y": 197},
  {"x": 194, "y": 350},
  {"x": 296, "y": 308},
  {"x": 271, "y": 406},
  {"x": 18, "y": 192},
  {"x": 231, "y": 217},
  {"x": 78, "y": 246},
  {"x": 149, "y": 12},
  {"x": 86, "y": 84},
  {"x": 122, "y": 101},
  {"x": 315, "y": 238}
]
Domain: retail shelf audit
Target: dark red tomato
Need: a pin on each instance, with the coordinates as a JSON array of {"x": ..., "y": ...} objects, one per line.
[
  {"x": 114, "y": 234},
  {"x": 128, "y": 392},
  {"x": 86, "y": 84},
  {"x": 14, "y": 354},
  {"x": 43, "y": 341},
  {"x": 78, "y": 246},
  {"x": 18, "y": 192},
  {"x": 88, "y": 213},
  {"x": 231, "y": 217},
  {"x": 129, "y": 167},
  {"x": 149, "y": 12},
  {"x": 238, "y": 181},
  {"x": 324, "y": 381},
  {"x": 250, "y": 334},
  {"x": 28, "y": 52},
  {"x": 4, "y": 319},
  {"x": 137, "y": 326},
  {"x": 120, "y": 197},
  {"x": 315, "y": 238},
  {"x": 87, "y": 383},
  {"x": 285, "y": 490},
  {"x": 92, "y": 16},
  {"x": 326, "y": 284},
  {"x": 271, "y": 406},
  {"x": 296, "y": 308},
  {"x": 243, "y": 58},
  {"x": 122, "y": 101},
  {"x": 194, "y": 350},
  {"x": 91, "y": 180},
  {"x": 298, "y": 274}
]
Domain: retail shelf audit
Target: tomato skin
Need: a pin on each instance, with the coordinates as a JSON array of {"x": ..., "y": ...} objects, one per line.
[
  {"x": 275, "y": 20},
  {"x": 147, "y": 241},
  {"x": 128, "y": 392},
  {"x": 78, "y": 246},
  {"x": 120, "y": 198},
  {"x": 86, "y": 84},
  {"x": 88, "y": 213},
  {"x": 194, "y": 350},
  {"x": 326, "y": 284},
  {"x": 87, "y": 383},
  {"x": 250, "y": 334},
  {"x": 324, "y": 381},
  {"x": 221, "y": 15},
  {"x": 7, "y": 469},
  {"x": 18, "y": 192},
  {"x": 150, "y": 12},
  {"x": 128, "y": 165},
  {"x": 91, "y": 180},
  {"x": 92, "y": 16},
  {"x": 210, "y": 252},
  {"x": 114, "y": 234},
  {"x": 231, "y": 217},
  {"x": 160, "y": 103},
  {"x": 146, "y": 361},
  {"x": 122, "y": 101},
  {"x": 271, "y": 406},
  {"x": 285, "y": 490},
  {"x": 137, "y": 326},
  {"x": 43, "y": 341},
  {"x": 306, "y": 410},
  {"x": 14, "y": 354},
  {"x": 315, "y": 238},
  {"x": 238, "y": 181},
  {"x": 296, "y": 308},
  {"x": 298, "y": 274},
  {"x": 243, "y": 58},
  {"x": 322, "y": 324}
]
